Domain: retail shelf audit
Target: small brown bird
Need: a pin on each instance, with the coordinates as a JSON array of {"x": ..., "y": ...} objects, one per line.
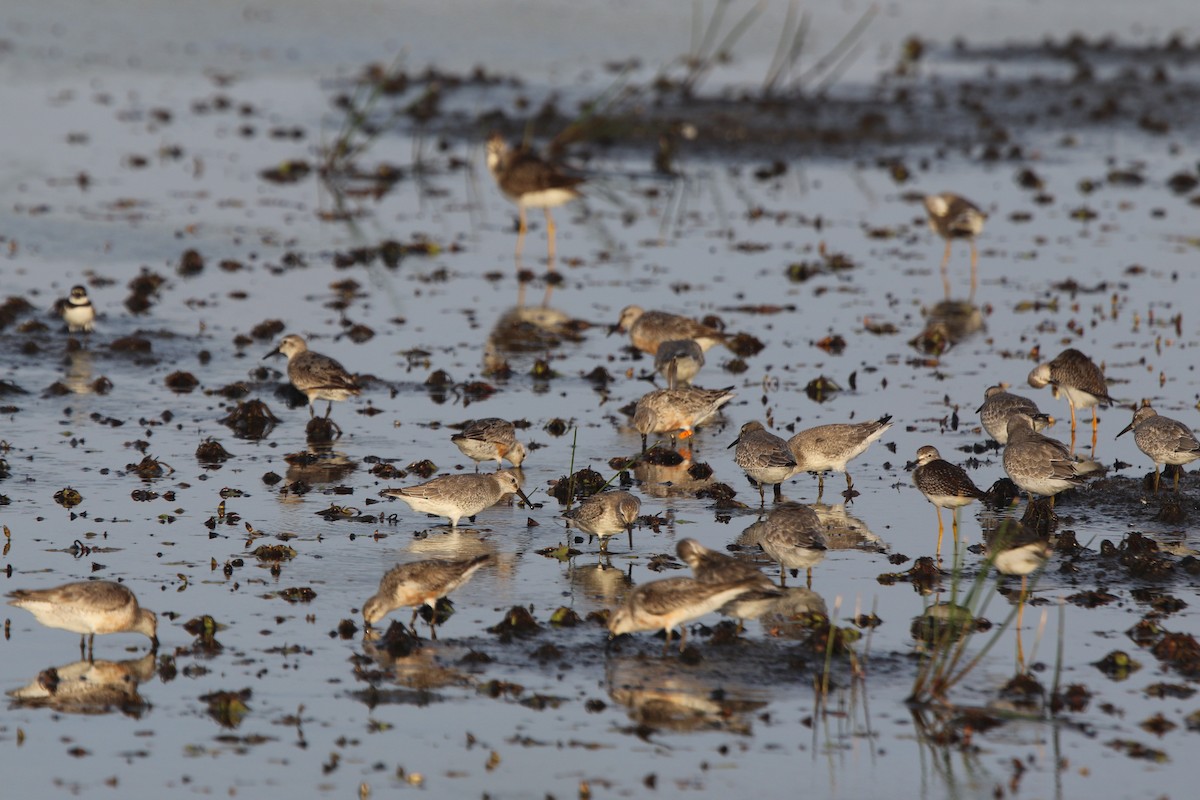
[
  {"x": 490, "y": 439},
  {"x": 529, "y": 182},
  {"x": 955, "y": 217},
  {"x": 945, "y": 485},
  {"x": 421, "y": 583}
]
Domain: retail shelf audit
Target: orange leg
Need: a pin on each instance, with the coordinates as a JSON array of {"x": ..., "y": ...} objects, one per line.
[
  {"x": 941, "y": 529},
  {"x": 974, "y": 269}
]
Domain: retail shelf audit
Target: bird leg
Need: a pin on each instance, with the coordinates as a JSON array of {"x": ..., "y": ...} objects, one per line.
[
  {"x": 1156, "y": 480},
  {"x": 630, "y": 531},
  {"x": 945, "y": 274},
  {"x": 782, "y": 576},
  {"x": 779, "y": 493},
  {"x": 820, "y": 484},
  {"x": 328, "y": 409},
  {"x": 682, "y": 637},
  {"x": 311, "y": 413},
  {"x": 941, "y": 529},
  {"x": 809, "y": 580},
  {"x": 666, "y": 643},
  {"x": 1094, "y": 429},
  {"x": 1072, "y": 405},
  {"x": 412, "y": 623},
  {"x": 762, "y": 497},
  {"x": 550, "y": 237},
  {"x": 522, "y": 226}
]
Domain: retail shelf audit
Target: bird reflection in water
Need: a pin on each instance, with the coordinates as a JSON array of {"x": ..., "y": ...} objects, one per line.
[
  {"x": 89, "y": 687},
  {"x": 946, "y": 324},
  {"x": 658, "y": 697}
]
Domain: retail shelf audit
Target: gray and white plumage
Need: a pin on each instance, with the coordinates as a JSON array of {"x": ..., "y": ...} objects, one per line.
[
  {"x": 316, "y": 376},
  {"x": 649, "y": 329},
  {"x": 1036, "y": 463},
  {"x": 710, "y": 566},
  {"x": 763, "y": 456},
  {"x": 606, "y": 514},
  {"x": 1164, "y": 440},
  {"x": 88, "y": 608},
  {"x": 417, "y": 584},
  {"x": 678, "y": 361},
  {"x": 671, "y": 602},
  {"x": 458, "y": 496},
  {"x": 832, "y": 447},
  {"x": 77, "y": 310},
  {"x": 793, "y": 536},
  {"x": 998, "y": 404},
  {"x": 490, "y": 439},
  {"x": 669, "y": 410}
]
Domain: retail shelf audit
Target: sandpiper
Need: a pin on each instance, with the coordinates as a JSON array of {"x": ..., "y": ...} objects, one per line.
[
  {"x": 530, "y": 182},
  {"x": 76, "y": 310},
  {"x": 1036, "y": 463},
  {"x": 316, "y": 376},
  {"x": 1078, "y": 377},
  {"x": 458, "y": 496},
  {"x": 88, "y": 608},
  {"x": 764, "y": 457},
  {"x": 710, "y": 566},
  {"x": 678, "y": 360},
  {"x": 649, "y": 329},
  {"x": 606, "y": 514},
  {"x": 670, "y": 410},
  {"x": 671, "y": 602},
  {"x": 945, "y": 485},
  {"x": 420, "y": 583},
  {"x": 998, "y": 403},
  {"x": 954, "y": 217},
  {"x": 831, "y": 447},
  {"x": 1165, "y": 440},
  {"x": 794, "y": 537},
  {"x": 490, "y": 439}
]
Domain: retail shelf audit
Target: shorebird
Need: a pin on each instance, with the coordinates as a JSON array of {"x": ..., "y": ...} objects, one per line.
[
  {"x": 420, "y": 583},
  {"x": 316, "y": 376},
  {"x": 678, "y": 360},
  {"x": 458, "y": 496},
  {"x": 998, "y": 404},
  {"x": 76, "y": 310},
  {"x": 649, "y": 329},
  {"x": 671, "y": 602},
  {"x": 1036, "y": 463},
  {"x": 490, "y": 439},
  {"x": 794, "y": 537},
  {"x": 954, "y": 217},
  {"x": 1078, "y": 377},
  {"x": 945, "y": 485},
  {"x": 1165, "y": 440},
  {"x": 764, "y": 457},
  {"x": 710, "y": 566},
  {"x": 529, "y": 182},
  {"x": 831, "y": 447},
  {"x": 606, "y": 514},
  {"x": 88, "y": 608},
  {"x": 670, "y": 410}
]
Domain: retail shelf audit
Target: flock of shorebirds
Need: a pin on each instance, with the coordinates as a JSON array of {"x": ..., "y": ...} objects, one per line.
[{"x": 791, "y": 534}]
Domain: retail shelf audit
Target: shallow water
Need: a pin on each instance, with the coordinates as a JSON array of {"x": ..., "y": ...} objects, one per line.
[{"x": 534, "y": 721}]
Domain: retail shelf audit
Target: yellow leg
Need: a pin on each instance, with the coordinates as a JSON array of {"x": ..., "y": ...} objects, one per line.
[
  {"x": 945, "y": 273},
  {"x": 941, "y": 529},
  {"x": 954, "y": 526},
  {"x": 1095, "y": 428},
  {"x": 1020, "y": 616},
  {"x": 550, "y": 236},
  {"x": 1072, "y": 405},
  {"x": 522, "y": 226}
]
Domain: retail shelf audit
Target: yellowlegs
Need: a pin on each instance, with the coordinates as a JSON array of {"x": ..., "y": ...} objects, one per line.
[
  {"x": 1036, "y": 463},
  {"x": 945, "y": 485},
  {"x": 1165, "y": 440},
  {"x": 678, "y": 360},
  {"x": 529, "y": 182},
  {"x": 606, "y": 514},
  {"x": 420, "y": 583},
  {"x": 764, "y": 457},
  {"x": 76, "y": 310},
  {"x": 1078, "y": 377},
  {"x": 316, "y": 376},
  {"x": 671, "y": 602},
  {"x": 490, "y": 439},
  {"x": 458, "y": 496},
  {"x": 793, "y": 536},
  {"x": 998, "y": 403},
  {"x": 88, "y": 608},
  {"x": 649, "y": 329},
  {"x": 831, "y": 447},
  {"x": 954, "y": 217},
  {"x": 670, "y": 410}
]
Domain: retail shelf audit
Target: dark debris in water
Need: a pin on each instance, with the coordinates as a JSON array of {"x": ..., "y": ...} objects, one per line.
[{"x": 516, "y": 622}]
